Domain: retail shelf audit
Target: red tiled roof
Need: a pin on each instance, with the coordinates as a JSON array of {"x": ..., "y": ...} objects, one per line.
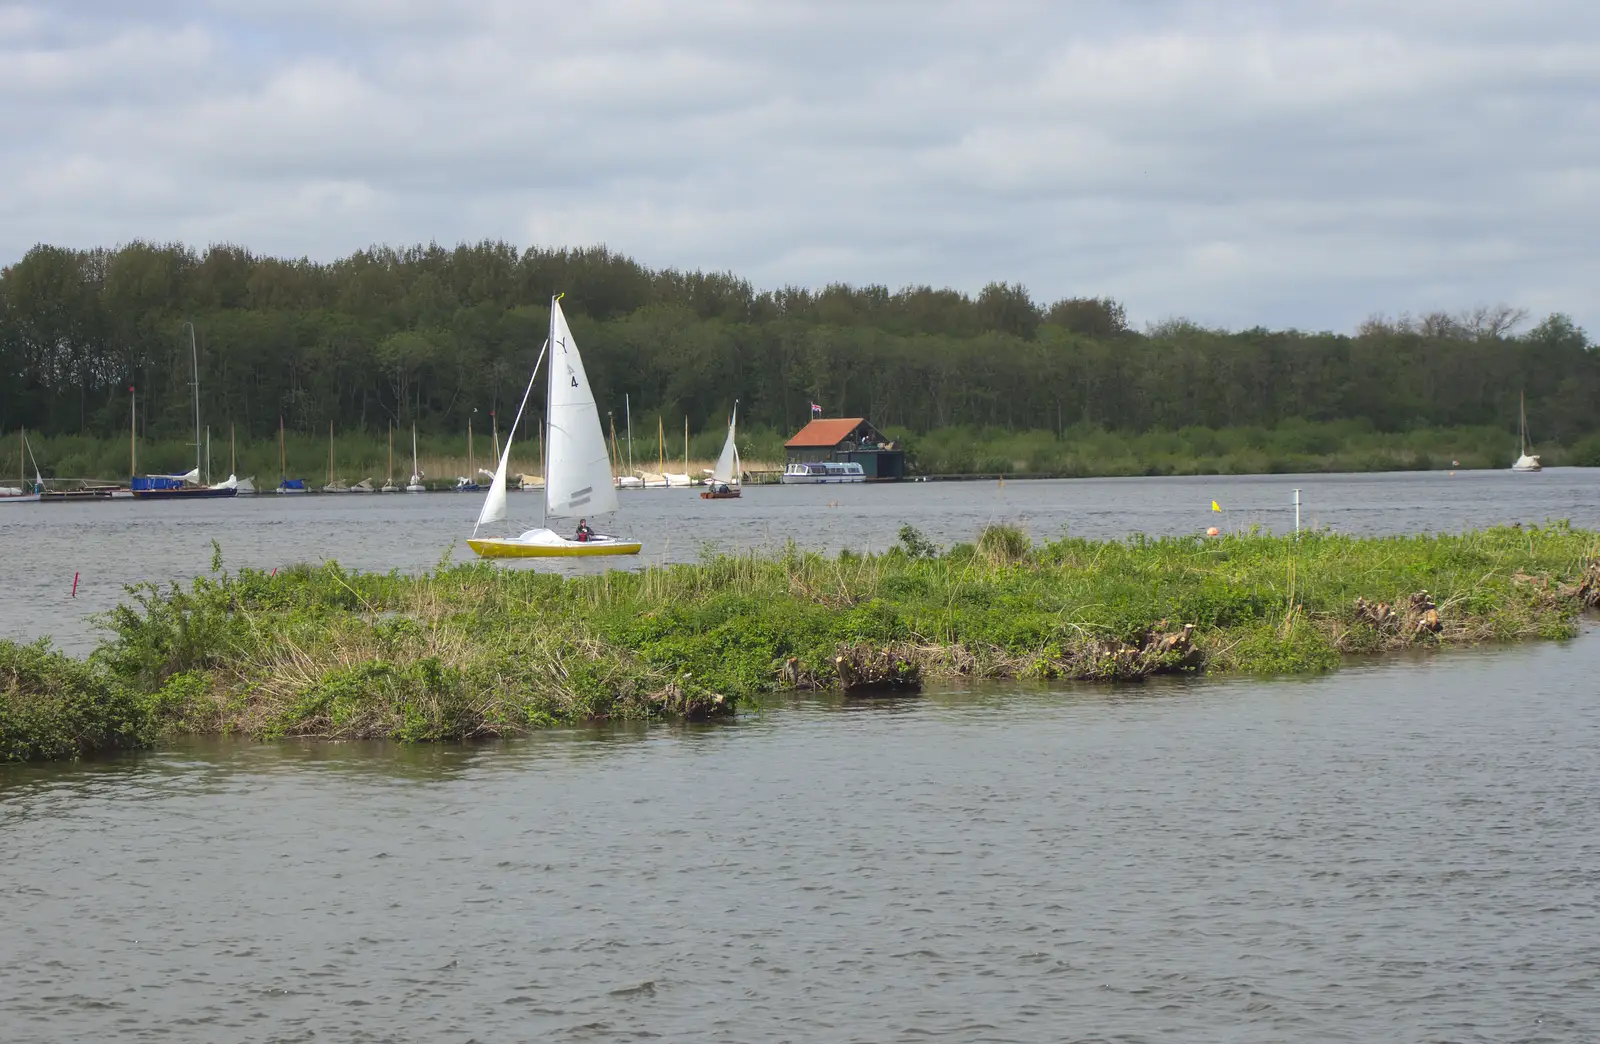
[{"x": 828, "y": 432}]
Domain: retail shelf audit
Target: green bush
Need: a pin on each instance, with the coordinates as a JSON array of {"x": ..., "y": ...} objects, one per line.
[{"x": 53, "y": 707}]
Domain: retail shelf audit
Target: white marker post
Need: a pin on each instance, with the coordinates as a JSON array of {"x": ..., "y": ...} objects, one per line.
[{"x": 1296, "y": 512}]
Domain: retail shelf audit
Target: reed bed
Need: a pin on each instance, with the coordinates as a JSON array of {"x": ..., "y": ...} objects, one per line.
[{"x": 474, "y": 651}]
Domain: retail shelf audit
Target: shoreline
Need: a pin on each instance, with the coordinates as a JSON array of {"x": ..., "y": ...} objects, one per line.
[{"x": 474, "y": 651}]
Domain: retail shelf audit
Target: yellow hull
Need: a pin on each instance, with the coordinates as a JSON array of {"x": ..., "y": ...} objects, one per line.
[{"x": 492, "y": 548}]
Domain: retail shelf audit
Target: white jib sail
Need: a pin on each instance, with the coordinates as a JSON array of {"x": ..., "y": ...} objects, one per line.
[
  {"x": 724, "y": 470},
  {"x": 494, "y": 505},
  {"x": 577, "y": 468}
]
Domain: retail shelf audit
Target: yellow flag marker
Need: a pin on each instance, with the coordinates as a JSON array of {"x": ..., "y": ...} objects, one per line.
[{"x": 1215, "y": 506}]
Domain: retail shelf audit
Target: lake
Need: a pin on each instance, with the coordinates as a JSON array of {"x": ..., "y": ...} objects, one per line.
[
  {"x": 112, "y": 543},
  {"x": 1405, "y": 851}
]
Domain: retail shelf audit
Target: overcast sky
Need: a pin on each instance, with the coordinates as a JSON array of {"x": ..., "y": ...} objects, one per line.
[{"x": 1236, "y": 163}]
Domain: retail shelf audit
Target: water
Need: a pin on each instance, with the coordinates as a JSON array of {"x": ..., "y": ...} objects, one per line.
[
  {"x": 113, "y": 543},
  {"x": 1405, "y": 852}
]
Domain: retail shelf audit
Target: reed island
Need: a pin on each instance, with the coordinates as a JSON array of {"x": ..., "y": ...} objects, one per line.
[{"x": 476, "y": 651}]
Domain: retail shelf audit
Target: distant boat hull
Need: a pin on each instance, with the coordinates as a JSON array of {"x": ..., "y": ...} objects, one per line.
[
  {"x": 1526, "y": 463},
  {"x": 19, "y": 498},
  {"x": 731, "y": 494},
  {"x": 191, "y": 493},
  {"x": 543, "y": 543}
]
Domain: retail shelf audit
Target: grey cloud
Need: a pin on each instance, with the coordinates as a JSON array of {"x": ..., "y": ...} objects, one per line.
[{"x": 1236, "y": 163}]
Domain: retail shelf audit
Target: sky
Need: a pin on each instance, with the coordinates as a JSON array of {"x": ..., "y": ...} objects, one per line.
[{"x": 1234, "y": 163}]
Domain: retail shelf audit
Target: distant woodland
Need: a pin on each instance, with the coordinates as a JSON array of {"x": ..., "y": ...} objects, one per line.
[{"x": 428, "y": 335}]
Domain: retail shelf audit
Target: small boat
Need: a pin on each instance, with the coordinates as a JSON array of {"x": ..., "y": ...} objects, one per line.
[
  {"x": 364, "y": 486},
  {"x": 333, "y": 485},
  {"x": 290, "y": 485},
  {"x": 177, "y": 487},
  {"x": 724, "y": 484},
  {"x": 822, "y": 471},
  {"x": 415, "y": 485},
  {"x": 1528, "y": 461},
  {"x": 578, "y": 481},
  {"x": 466, "y": 485}
]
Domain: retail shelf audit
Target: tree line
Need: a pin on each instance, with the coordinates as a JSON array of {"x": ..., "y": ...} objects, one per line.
[{"x": 432, "y": 335}]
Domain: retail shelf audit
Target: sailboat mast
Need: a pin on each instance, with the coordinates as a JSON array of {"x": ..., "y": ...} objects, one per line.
[
  {"x": 133, "y": 432},
  {"x": 470, "y": 472},
  {"x": 1522, "y": 425},
  {"x": 661, "y": 448},
  {"x": 22, "y": 464},
  {"x": 627, "y": 407},
  {"x": 391, "y": 453},
  {"x": 208, "y": 454},
  {"x": 233, "y": 452},
  {"x": 686, "y": 444},
  {"x": 614, "y": 457},
  {"x": 194, "y": 359},
  {"x": 494, "y": 426},
  {"x": 330, "y": 453},
  {"x": 549, "y": 397},
  {"x": 283, "y": 455}
]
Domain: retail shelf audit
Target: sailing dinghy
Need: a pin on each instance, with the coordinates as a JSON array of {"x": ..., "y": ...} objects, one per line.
[
  {"x": 725, "y": 476},
  {"x": 578, "y": 481}
]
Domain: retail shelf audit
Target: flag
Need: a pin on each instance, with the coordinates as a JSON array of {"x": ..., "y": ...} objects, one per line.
[
  {"x": 816, "y": 411},
  {"x": 1215, "y": 506}
]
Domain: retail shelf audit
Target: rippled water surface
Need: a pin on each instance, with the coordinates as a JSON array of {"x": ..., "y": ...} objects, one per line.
[
  {"x": 112, "y": 543},
  {"x": 1405, "y": 852}
]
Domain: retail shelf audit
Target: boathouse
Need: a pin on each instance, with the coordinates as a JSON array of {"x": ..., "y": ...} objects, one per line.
[{"x": 847, "y": 440}]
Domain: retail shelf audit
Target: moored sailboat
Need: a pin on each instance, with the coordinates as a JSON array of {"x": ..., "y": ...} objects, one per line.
[
  {"x": 578, "y": 481},
  {"x": 21, "y": 494},
  {"x": 415, "y": 485},
  {"x": 1527, "y": 461}
]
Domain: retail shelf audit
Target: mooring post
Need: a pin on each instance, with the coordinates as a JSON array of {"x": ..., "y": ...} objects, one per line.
[{"x": 1297, "y": 512}]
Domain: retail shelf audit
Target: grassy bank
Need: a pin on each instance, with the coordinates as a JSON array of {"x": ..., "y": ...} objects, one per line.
[{"x": 473, "y": 650}]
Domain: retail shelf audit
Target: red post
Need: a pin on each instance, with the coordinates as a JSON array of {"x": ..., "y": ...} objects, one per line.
[{"x": 74, "y": 585}]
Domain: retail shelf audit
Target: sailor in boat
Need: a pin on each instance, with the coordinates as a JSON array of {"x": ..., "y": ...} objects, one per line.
[{"x": 584, "y": 532}]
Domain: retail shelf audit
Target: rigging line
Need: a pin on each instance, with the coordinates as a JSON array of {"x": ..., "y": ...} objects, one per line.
[{"x": 524, "y": 405}]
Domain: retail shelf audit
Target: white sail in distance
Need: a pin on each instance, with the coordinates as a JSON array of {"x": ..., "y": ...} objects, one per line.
[
  {"x": 577, "y": 478},
  {"x": 724, "y": 470},
  {"x": 494, "y": 504}
]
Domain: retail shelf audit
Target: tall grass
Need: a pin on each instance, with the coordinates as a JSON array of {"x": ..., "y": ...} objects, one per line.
[{"x": 474, "y": 650}]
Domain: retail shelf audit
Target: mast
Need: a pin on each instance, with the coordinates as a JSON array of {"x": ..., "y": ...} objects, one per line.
[
  {"x": 391, "y": 453},
  {"x": 194, "y": 358},
  {"x": 549, "y": 397},
  {"x": 283, "y": 455},
  {"x": 628, "y": 408},
  {"x": 208, "y": 454},
  {"x": 413, "y": 453},
  {"x": 233, "y": 455},
  {"x": 494, "y": 427},
  {"x": 614, "y": 457},
  {"x": 22, "y": 464},
  {"x": 661, "y": 449},
  {"x": 133, "y": 432},
  {"x": 330, "y": 453},
  {"x": 1522, "y": 412},
  {"x": 470, "y": 472},
  {"x": 686, "y": 444}
]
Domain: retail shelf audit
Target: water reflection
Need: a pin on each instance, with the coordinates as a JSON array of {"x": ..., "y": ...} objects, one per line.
[{"x": 1403, "y": 851}]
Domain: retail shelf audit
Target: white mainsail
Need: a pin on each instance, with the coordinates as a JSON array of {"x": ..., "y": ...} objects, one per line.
[
  {"x": 577, "y": 477},
  {"x": 726, "y": 470},
  {"x": 494, "y": 505}
]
